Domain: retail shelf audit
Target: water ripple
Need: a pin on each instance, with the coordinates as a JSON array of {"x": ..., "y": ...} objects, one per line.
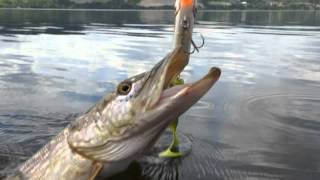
[{"x": 291, "y": 110}]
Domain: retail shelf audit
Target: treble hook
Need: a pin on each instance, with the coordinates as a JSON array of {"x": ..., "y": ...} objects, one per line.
[{"x": 195, "y": 47}]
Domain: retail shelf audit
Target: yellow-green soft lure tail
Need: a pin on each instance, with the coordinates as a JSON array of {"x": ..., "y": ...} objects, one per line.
[{"x": 173, "y": 150}]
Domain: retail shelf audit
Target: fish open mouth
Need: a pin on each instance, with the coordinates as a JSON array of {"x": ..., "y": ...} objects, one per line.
[
  {"x": 181, "y": 97},
  {"x": 196, "y": 88},
  {"x": 188, "y": 94}
]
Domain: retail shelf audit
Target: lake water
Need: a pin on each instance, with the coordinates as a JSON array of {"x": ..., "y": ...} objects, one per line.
[{"x": 260, "y": 121}]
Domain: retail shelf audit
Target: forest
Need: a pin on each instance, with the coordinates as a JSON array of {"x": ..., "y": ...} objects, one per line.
[{"x": 138, "y": 4}]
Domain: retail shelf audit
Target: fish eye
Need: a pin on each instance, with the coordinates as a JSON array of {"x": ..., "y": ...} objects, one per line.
[{"x": 124, "y": 88}]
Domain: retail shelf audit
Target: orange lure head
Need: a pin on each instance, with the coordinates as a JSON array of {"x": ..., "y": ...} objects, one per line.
[{"x": 184, "y": 4}]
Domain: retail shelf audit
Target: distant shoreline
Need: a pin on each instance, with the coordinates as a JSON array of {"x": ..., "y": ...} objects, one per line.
[{"x": 143, "y": 9}]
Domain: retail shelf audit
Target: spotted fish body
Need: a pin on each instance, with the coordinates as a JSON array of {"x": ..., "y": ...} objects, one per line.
[
  {"x": 68, "y": 155},
  {"x": 122, "y": 126},
  {"x": 56, "y": 160}
]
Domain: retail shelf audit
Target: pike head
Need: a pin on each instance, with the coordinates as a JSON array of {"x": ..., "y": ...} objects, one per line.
[{"x": 129, "y": 120}]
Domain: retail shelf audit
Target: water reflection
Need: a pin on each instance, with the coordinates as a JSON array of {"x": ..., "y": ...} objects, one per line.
[
  {"x": 261, "y": 121},
  {"x": 71, "y": 22}
]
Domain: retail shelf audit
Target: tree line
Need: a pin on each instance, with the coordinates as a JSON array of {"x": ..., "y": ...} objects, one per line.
[
  {"x": 209, "y": 4},
  {"x": 35, "y": 3}
]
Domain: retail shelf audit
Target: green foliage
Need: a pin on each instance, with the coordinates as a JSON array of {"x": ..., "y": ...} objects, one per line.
[
  {"x": 35, "y": 3},
  {"x": 213, "y": 4}
]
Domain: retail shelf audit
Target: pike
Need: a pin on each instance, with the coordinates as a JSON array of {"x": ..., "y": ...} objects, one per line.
[{"x": 122, "y": 126}]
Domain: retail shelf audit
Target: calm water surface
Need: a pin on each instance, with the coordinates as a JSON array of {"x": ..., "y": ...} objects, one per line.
[{"x": 260, "y": 121}]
